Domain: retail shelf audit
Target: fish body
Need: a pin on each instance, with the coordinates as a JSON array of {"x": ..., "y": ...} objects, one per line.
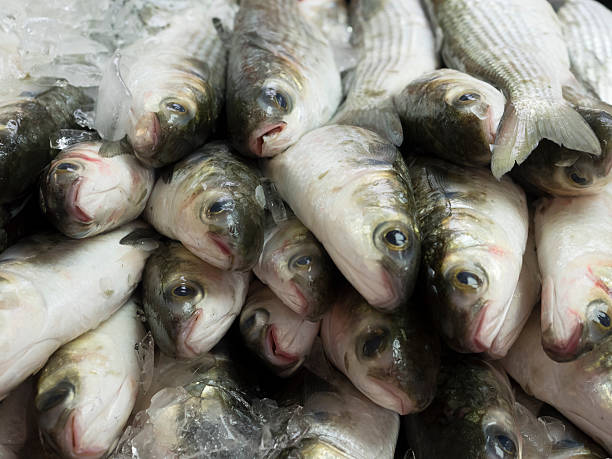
[
  {"x": 87, "y": 389},
  {"x": 175, "y": 86},
  {"x": 282, "y": 80},
  {"x": 574, "y": 249},
  {"x": 279, "y": 336},
  {"x": 208, "y": 202},
  {"x": 395, "y": 44},
  {"x": 93, "y": 187},
  {"x": 60, "y": 288},
  {"x": 494, "y": 41},
  {"x": 26, "y": 124},
  {"x": 586, "y": 28},
  {"x": 297, "y": 268},
  {"x": 581, "y": 390},
  {"x": 188, "y": 303},
  {"x": 351, "y": 188},
  {"x": 472, "y": 416},
  {"x": 392, "y": 358},
  {"x": 452, "y": 115},
  {"x": 474, "y": 231}
]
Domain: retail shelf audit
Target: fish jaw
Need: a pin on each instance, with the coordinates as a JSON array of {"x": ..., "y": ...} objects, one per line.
[
  {"x": 146, "y": 135},
  {"x": 200, "y": 335},
  {"x": 262, "y": 141}
]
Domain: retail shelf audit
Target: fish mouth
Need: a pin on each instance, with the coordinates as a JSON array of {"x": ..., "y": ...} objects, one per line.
[
  {"x": 147, "y": 135},
  {"x": 222, "y": 245},
  {"x": 73, "y": 207},
  {"x": 479, "y": 343},
  {"x": 185, "y": 347},
  {"x": 279, "y": 357},
  {"x": 193, "y": 342},
  {"x": 396, "y": 400},
  {"x": 262, "y": 135},
  {"x": 72, "y": 440},
  {"x": 566, "y": 350},
  {"x": 298, "y": 301},
  {"x": 490, "y": 126}
]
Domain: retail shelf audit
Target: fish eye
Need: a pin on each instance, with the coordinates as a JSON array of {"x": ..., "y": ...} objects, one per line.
[
  {"x": 302, "y": 262},
  {"x": 66, "y": 167},
  {"x": 579, "y": 179},
  {"x": 395, "y": 240},
  {"x": 183, "y": 290},
  {"x": 55, "y": 396},
  {"x": 175, "y": 107},
  {"x": 598, "y": 313},
  {"x": 259, "y": 317},
  {"x": 506, "y": 445},
  {"x": 603, "y": 319},
  {"x": 375, "y": 343},
  {"x": 469, "y": 97},
  {"x": 220, "y": 206},
  {"x": 466, "y": 280},
  {"x": 276, "y": 99}
]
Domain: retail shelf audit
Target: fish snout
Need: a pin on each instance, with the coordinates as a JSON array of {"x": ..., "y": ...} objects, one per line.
[{"x": 146, "y": 135}]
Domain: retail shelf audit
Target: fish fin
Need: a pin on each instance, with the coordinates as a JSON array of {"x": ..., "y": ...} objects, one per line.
[
  {"x": 110, "y": 149},
  {"x": 224, "y": 35},
  {"x": 147, "y": 238},
  {"x": 521, "y": 129},
  {"x": 382, "y": 119}
]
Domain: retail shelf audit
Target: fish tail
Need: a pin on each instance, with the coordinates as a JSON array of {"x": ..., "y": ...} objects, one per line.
[
  {"x": 382, "y": 119},
  {"x": 522, "y": 128}
]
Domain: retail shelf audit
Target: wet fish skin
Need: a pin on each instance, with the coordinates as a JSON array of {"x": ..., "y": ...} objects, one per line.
[
  {"x": 282, "y": 80},
  {"x": 452, "y": 115},
  {"x": 574, "y": 253},
  {"x": 87, "y": 389},
  {"x": 188, "y": 303},
  {"x": 26, "y": 123},
  {"x": 280, "y": 337},
  {"x": 392, "y": 358},
  {"x": 493, "y": 40},
  {"x": 581, "y": 390},
  {"x": 61, "y": 288},
  {"x": 93, "y": 187},
  {"x": 474, "y": 231},
  {"x": 352, "y": 189},
  {"x": 586, "y": 28},
  {"x": 472, "y": 415},
  {"x": 395, "y": 44},
  {"x": 297, "y": 269},
  {"x": 208, "y": 202}
]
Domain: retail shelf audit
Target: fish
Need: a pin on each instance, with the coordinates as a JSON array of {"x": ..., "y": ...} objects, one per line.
[
  {"x": 525, "y": 297},
  {"x": 87, "y": 389},
  {"x": 586, "y": 29},
  {"x": 282, "y": 80},
  {"x": 26, "y": 123},
  {"x": 188, "y": 303},
  {"x": 558, "y": 171},
  {"x": 494, "y": 41},
  {"x": 94, "y": 187},
  {"x": 173, "y": 86},
  {"x": 581, "y": 390},
  {"x": 340, "y": 421},
  {"x": 296, "y": 268},
  {"x": 209, "y": 202},
  {"x": 395, "y": 44},
  {"x": 472, "y": 416},
  {"x": 391, "y": 357},
  {"x": 474, "y": 233},
  {"x": 61, "y": 288},
  {"x": 351, "y": 188},
  {"x": 575, "y": 256},
  {"x": 280, "y": 337},
  {"x": 451, "y": 115}
]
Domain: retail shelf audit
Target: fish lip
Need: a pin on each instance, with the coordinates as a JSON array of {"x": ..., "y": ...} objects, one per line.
[
  {"x": 476, "y": 343},
  {"x": 490, "y": 128},
  {"x": 406, "y": 405},
  {"x": 74, "y": 209},
  {"x": 72, "y": 441},
  {"x": 279, "y": 357},
  {"x": 220, "y": 243},
  {"x": 566, "y": 351},
  {"x": 302, "y": 303},
  {"x": 257, "y": 141},
  {"x": 184, "y": 349},
  {"x": 147, "y": 135}
]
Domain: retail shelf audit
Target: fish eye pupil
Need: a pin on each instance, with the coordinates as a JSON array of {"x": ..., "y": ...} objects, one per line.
[
  {"x": 470, "y": 96},
  {"x": 176, "y": 107},
  {"x": 280, "y": 100},
  {"x": 603, "y": 319},
  {"x": 303, "y": 261},
  {"x": 183, "y": 290},
  {"x": 218, "y": 207},
  {"x": 506, "y": 444},
  {"x": 396, "y": 238},
  {"x": 68, "y": 167},
  {"x": 374, "y": 344},
  {"x": 249, "y": 322},
  {"x": 578, "y": 179},
  {"x": 468, "y": 279}
]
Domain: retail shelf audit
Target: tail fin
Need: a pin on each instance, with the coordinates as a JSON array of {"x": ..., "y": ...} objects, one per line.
[
  {"x": 521, "y": 130},
  {"x": 381, "y": 118}
]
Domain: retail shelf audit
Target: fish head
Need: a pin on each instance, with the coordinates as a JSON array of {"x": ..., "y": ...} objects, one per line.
[
  {"x": 577, "y": 312},
  {"x": 267, "y": 115},
  {"x": 174, "y": 116},
  {"x": 186, "y": 301},
  {"x": 77, "y": 189},
  {"x": 471, "y": 293},
  {"x": 301, "y": 272},
  {"x": 274, "y": 332},
  {"x": 389, "y": 357},
  {"x": 76, "y": 401}
]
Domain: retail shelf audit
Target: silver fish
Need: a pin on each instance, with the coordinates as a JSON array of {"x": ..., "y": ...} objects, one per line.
[
  {"x": 395, "y": 44},
  {"x": 494, "y": 40}
]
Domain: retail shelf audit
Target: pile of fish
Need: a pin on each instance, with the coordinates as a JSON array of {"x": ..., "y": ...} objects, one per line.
[{"x": 306, "y": 229}]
